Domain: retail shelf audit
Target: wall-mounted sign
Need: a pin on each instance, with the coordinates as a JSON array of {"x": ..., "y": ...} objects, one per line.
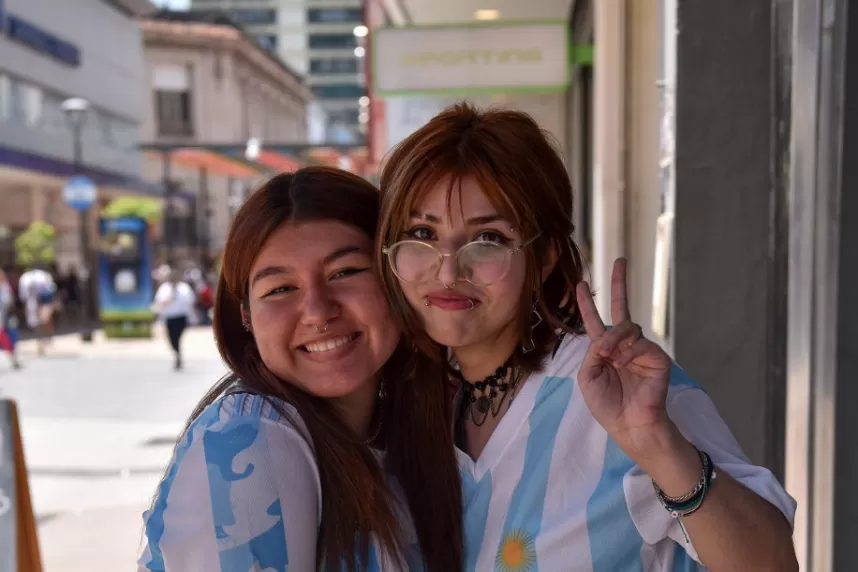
[
  {"x": 38, "y": 39},
  {"x": 504, "y": 58}
]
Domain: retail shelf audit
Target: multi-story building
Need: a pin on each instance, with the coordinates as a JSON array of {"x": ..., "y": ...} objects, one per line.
[
  {"x": 210, "y": 84},
  {"x": 51, "y": 51},
  {"x": 317, "y": 38}
]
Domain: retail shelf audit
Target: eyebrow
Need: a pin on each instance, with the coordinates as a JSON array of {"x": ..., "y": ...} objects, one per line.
[
  {"x": 276, "y": 270},
  {"x": 473, "y": 221}
]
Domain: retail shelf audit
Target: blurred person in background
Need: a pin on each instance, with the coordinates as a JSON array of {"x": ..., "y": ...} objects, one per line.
[
  {"x": 581, "y": 447},
  {"x": 38, "y": 291},
  {"x": 315, "y": 452},
  {"x": 174, "y": 304},
  {"x": 70, "y": 294},
  {"x": 8, "y": 321}
]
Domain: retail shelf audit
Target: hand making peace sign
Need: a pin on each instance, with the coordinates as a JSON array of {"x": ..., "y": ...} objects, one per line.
[{"x": 624, "y": 376}]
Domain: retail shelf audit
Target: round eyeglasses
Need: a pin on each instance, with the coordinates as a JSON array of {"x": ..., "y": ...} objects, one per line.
[{"x": 481, "y": 262}]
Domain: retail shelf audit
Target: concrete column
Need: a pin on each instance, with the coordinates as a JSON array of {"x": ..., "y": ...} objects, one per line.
[
  {"x": 609, "y": 161},
  {"x": 38, "y": 203},
  {"x": 724, "y": 278}
]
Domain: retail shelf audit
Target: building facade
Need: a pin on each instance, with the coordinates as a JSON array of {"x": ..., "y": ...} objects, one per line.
[
  {"x": 208, "y": 83},
  {"x": 52, "y": 50},
  {"x": 316, "y": 38}
]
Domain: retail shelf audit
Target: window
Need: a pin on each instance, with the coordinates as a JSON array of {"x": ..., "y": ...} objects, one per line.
[
  {"x": 267, "y": 42},
  {"x": 253, "y": 16},
  {"x": 334, "y": 66},
  {"x": 339, "y": 91},
  {"x": 326, "y": 15},
  {"x": 23, "y": 102},
  {"x": 173, "y": 113},
  {"x": 332, "y": 41},
  {"x": 5, "y": 107},
  {"x": 348, "y": 116}
]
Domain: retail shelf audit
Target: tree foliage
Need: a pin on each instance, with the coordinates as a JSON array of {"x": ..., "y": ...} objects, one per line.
[
  {"x": 143, "y": 207},
  {"x": 36, "y": 245}
]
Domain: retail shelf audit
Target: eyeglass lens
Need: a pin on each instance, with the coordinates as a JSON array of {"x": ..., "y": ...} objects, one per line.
[{"x": 482, "y": 263}]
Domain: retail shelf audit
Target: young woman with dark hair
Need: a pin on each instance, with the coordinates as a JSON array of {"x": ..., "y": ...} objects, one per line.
[{"x": 314, "y": 453}]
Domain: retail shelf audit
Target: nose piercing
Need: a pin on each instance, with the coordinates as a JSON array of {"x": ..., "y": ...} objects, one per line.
[
  {"x": 427, "y": 303},
  {"x": 472, "y": 303},
  {"x": 322, "y": 329},
  {"x": 446, "y": 286}
]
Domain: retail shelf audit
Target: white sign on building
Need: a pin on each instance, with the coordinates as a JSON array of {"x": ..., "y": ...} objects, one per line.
[{"x": 471, "y": 59}]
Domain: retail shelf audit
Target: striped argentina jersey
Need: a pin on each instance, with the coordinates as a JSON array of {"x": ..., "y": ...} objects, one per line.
[
  {"x": 242, "y": 494},
  {"x": 552, "y": 493}
]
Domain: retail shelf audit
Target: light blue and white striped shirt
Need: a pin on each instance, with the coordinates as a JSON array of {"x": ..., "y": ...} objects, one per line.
[
  {"x": 552, "y": 493},
  {"x": 242, "y": 494}
]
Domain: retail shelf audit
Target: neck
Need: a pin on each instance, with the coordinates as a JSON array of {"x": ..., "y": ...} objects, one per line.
[
  {"x": 478, "y": 361},
  {"x": 357, "y": 408}
]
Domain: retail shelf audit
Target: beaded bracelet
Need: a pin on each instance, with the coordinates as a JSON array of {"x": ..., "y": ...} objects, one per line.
[{"x": 689, "y": 503}]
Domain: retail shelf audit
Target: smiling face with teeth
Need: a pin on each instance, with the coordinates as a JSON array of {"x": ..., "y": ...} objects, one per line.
[{"x": 310, "y": 274}]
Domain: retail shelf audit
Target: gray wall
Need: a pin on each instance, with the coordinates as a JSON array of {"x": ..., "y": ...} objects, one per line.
[{"x": 110, "y": 76}]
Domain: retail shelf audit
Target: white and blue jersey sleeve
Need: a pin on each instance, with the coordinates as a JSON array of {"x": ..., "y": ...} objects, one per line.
[
  {"x": 697, "y": 419},
  {"x": 242, "y": 493}
]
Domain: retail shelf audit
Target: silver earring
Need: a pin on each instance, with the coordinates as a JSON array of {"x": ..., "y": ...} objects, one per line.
[
  {"x": 381, "y": 392},
  {"x": 537, "y": 319}
]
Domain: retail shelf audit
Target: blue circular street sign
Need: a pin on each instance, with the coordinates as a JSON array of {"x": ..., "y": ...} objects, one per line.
[{"x": 79, "y": 192}]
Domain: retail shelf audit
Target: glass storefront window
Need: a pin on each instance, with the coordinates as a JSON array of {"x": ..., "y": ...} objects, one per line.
[
  {"x": 333, "y": 15},
  {"x": 332, "y": 41}
]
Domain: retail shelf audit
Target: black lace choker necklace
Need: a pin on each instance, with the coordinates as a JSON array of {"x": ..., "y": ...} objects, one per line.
[{"x": 479, "y": 398}]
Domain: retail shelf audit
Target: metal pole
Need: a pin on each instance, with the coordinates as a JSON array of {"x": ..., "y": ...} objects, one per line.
[
  {"x": 169, "y": 221},
  {"x": 87, "y": 274},
  {"x": 204, "y": 209}
]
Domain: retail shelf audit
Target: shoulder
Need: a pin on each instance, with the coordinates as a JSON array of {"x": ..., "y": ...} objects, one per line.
[
  {"x": 566, "y": 359},
  {"x": 251, "y": 412},
  {"x": 242, "y": 484}
]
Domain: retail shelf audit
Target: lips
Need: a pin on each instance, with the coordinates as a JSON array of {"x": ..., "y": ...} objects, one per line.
[{"x": 451, "y": 301}]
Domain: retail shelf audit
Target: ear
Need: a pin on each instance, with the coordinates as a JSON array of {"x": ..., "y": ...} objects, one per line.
[
  {"x": 550, "y": 260},
  {"x": 245, "y": 319}
]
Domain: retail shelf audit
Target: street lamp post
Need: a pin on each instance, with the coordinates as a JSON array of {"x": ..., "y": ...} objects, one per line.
[{"x": 75, "y": 110}]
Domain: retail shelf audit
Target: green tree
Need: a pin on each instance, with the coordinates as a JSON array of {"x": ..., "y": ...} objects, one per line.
[
  {"x": 37, "y": 244},
  {"x": 148, "y": 209}
]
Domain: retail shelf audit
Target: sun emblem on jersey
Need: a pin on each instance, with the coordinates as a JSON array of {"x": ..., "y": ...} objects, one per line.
[{"x": 516, "y": 553}]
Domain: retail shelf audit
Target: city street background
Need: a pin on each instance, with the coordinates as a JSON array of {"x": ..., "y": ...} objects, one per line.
[{"x": 99, "y": 422}]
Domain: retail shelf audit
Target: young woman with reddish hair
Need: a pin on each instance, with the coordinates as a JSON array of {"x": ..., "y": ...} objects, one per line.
[
  {"x": 581, "y": 448},
  {"x": 315, "y": 452}
]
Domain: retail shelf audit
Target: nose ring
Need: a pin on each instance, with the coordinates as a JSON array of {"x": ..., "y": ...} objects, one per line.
[
  {"x": 322, "y": 329},
  {"x": 447, "y": 286},
  {"x": 472, "y": 303}
]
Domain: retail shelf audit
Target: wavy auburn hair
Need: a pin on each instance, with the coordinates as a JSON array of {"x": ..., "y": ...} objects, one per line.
[
  {"x": 519, "y": 168},
  {"x": 356, "y": 500}
]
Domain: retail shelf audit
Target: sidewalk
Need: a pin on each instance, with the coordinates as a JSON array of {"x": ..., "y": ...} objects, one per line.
[{"x": 99, "y": 421}]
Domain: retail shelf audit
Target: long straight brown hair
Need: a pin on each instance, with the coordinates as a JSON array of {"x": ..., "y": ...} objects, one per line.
[
  {"x": 356, "y": 500},
  {"x": 518, "y": 167}
]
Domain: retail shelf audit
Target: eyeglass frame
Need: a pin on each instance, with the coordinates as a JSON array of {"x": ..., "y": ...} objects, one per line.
[{"x": 442, "y": 255}]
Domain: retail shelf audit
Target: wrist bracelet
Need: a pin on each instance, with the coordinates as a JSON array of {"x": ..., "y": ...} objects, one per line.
[{"x": 690, "y": 502}]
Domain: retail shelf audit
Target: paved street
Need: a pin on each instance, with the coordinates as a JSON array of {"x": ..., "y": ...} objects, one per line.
[{"x": 99, "y": 422}]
